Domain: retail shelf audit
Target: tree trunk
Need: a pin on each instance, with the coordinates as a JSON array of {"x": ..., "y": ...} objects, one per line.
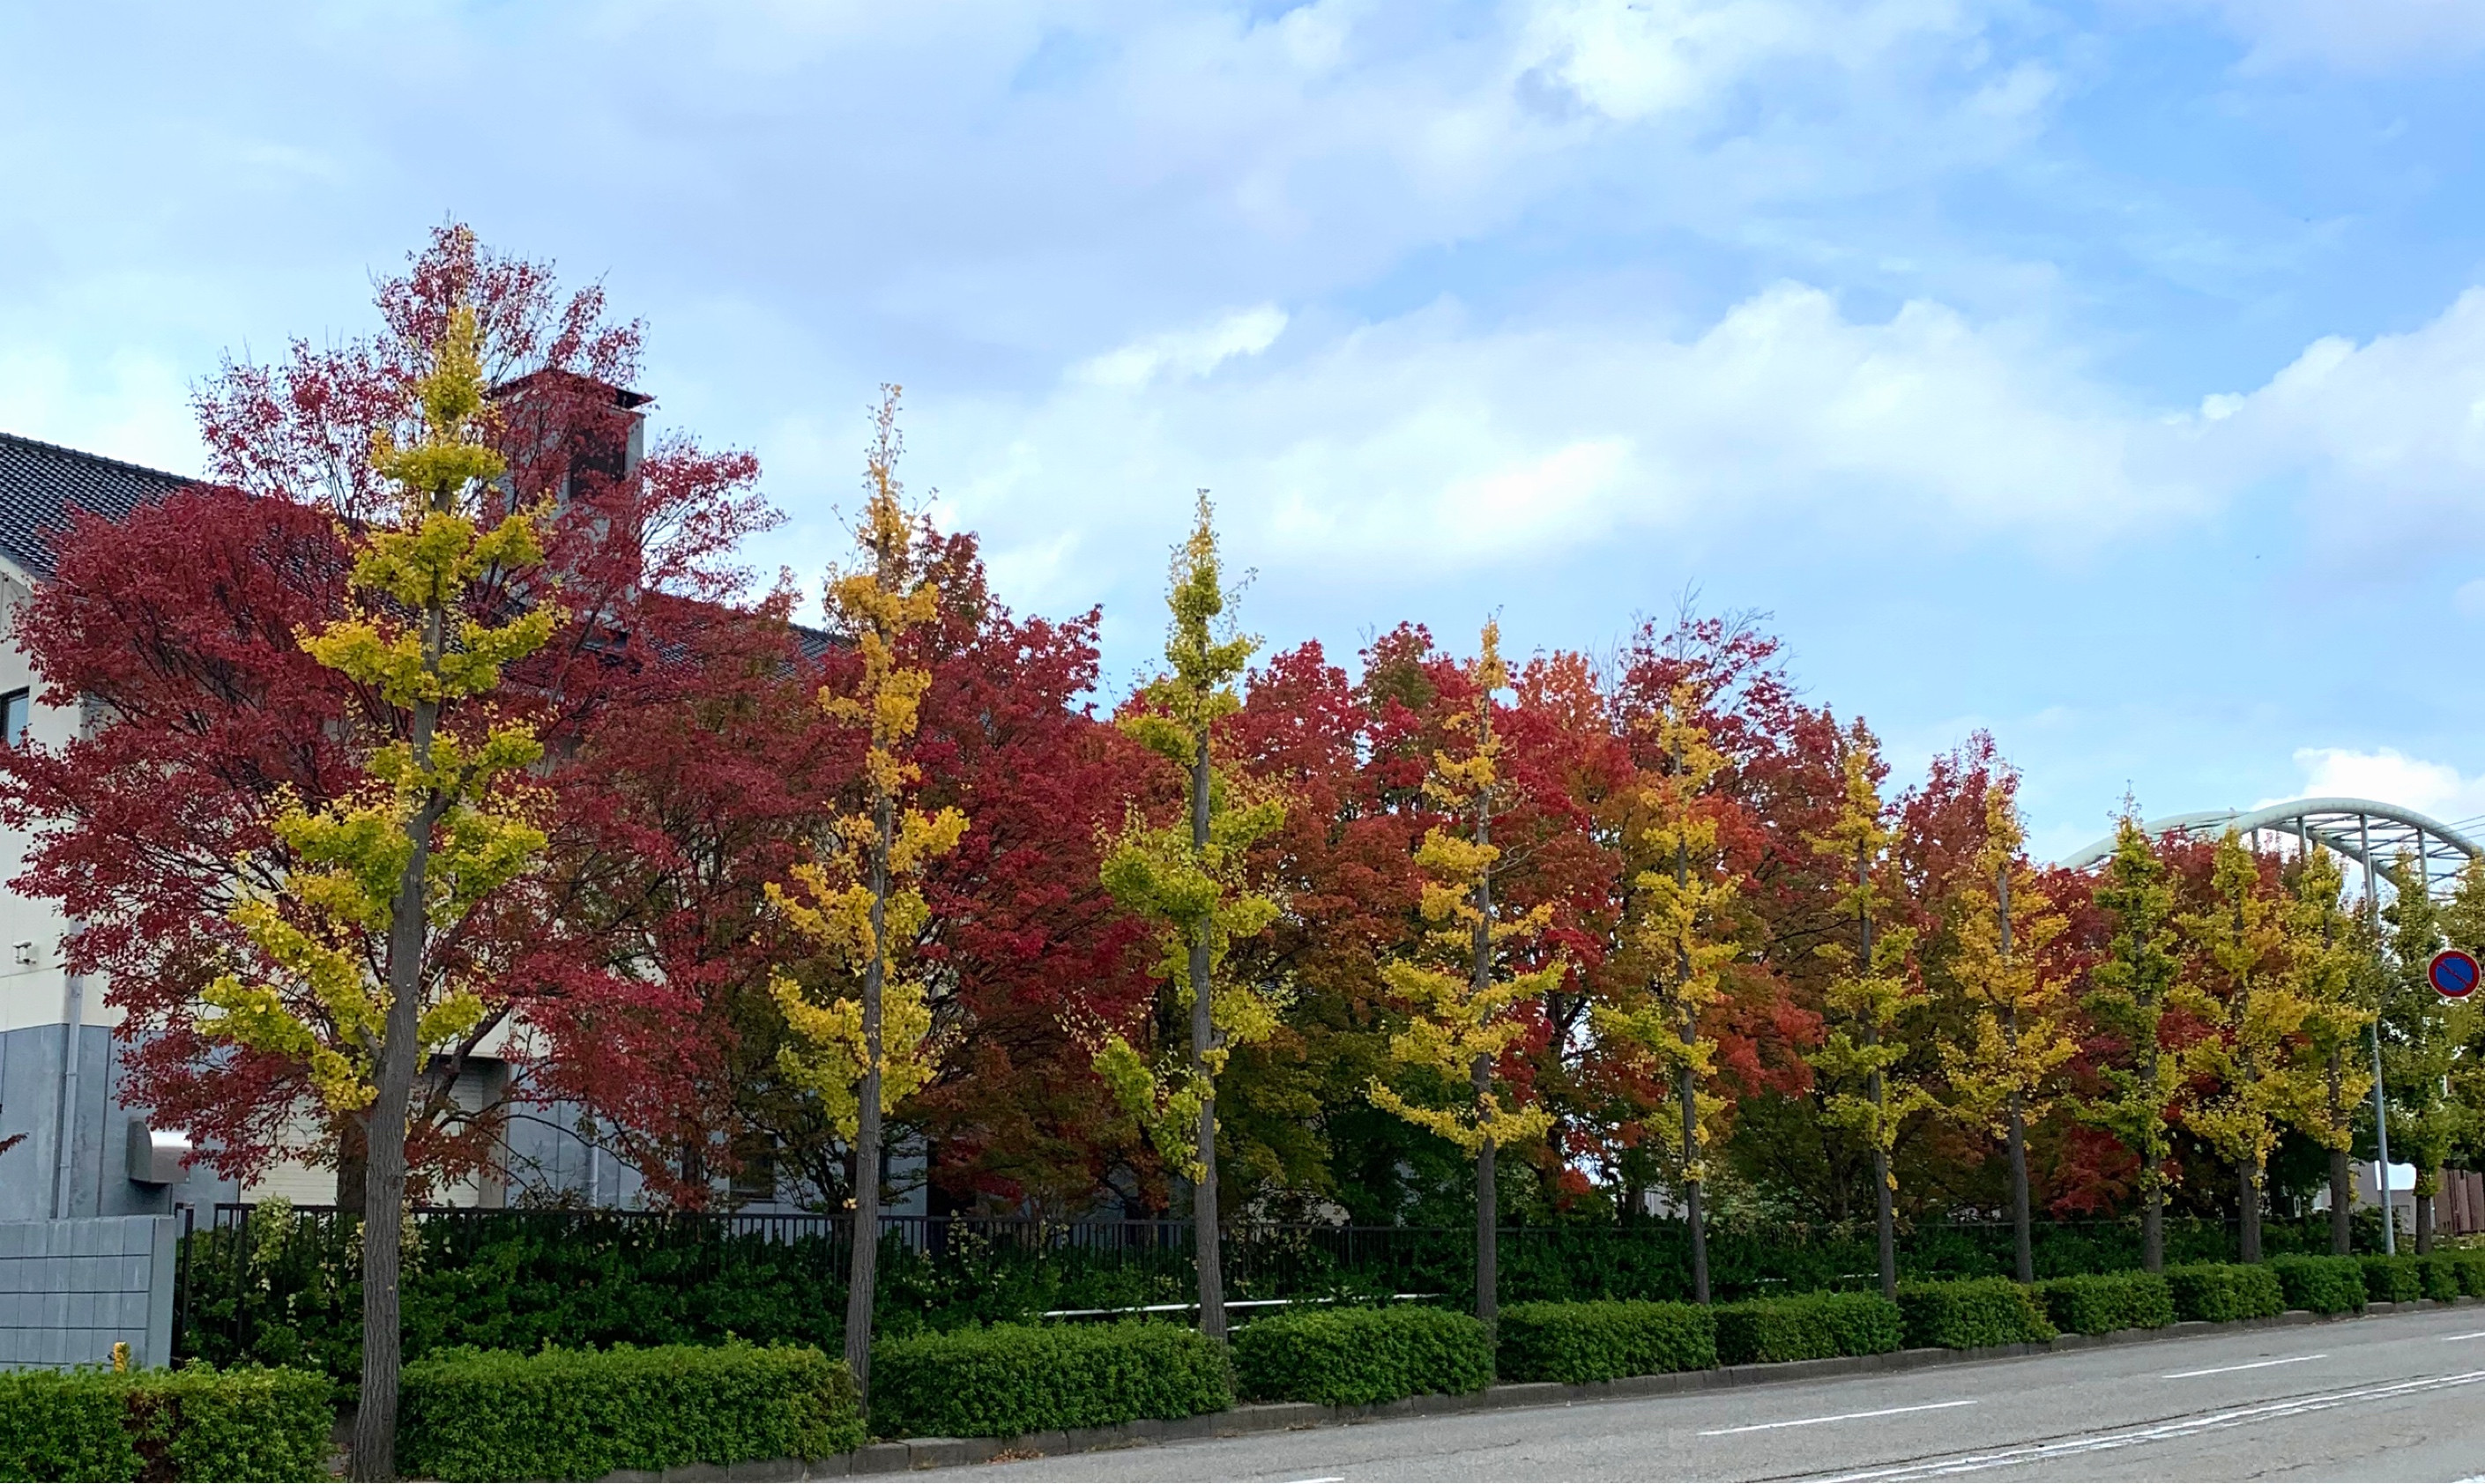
[
  {"x": 2152, "y": 1210},
  {"x": 2152, "y": 1166},
  {"x": 353, "y": 1165},
  {"x": 374, "y": 1451},
  {"x": 1206, "y": 1252},
  {"x": 2423, "y": 1220},
  {"x": 2022, "y": 1240},
  {"x": 2342, "y": 1201},
  {"x": 1884, "y": 1220},
  {"x": 1488, "y": 1238},
  {"x": 2248, "y": 1198},
  {"x": 1480, "y": 980},
  {"x": 2153, "y": 1232},
  {"x": 1689, "y": 1092},
  {"x": 2342, "y": 1181},
  {"x": 863, "y": 1273},
  {"x": 1884, "y": 1217}
]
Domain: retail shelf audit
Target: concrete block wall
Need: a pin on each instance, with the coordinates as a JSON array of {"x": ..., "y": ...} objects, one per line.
[{"x": 70, "y": 1289}]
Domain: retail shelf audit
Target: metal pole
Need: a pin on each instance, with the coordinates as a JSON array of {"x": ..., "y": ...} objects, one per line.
[{"x": 2381, "y": 1099}]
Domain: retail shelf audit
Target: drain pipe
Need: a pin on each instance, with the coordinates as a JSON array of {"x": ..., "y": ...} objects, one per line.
[{"x": 64, "y": 1127}]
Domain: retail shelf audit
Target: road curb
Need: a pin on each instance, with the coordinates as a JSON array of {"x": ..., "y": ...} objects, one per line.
[{"x": 913, "y": 1454}]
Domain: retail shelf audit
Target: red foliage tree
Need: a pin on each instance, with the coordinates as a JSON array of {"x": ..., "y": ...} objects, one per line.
[{"x": 178, "y": 628}]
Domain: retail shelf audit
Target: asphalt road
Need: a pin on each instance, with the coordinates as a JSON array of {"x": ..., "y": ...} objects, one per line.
[{"x": 2398, "y": 1396}]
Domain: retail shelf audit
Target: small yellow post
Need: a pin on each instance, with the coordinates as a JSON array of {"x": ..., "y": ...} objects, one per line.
[{"x": 120, "y": 1358}]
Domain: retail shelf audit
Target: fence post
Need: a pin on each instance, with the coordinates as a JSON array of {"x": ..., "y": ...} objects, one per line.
[{"x": 181, "y": 1284}]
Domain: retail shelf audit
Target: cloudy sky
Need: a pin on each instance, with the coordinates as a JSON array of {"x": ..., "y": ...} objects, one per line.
[{"x": 2106, "y": 373}]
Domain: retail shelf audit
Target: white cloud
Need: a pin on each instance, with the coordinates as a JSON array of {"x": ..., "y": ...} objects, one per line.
[
  {"x": 2390, "y": 435},
  {"x": 1634, "y": 59},
  {"x": 1192, "y": 352},
  {"x": 1428, "y": 445},
  {"x": 2390, "y": 777},
  {"x": 2357, "y": 36}
]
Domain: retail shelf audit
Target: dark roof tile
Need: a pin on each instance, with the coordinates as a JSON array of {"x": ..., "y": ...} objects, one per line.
[{"x": 41, "y": 484}]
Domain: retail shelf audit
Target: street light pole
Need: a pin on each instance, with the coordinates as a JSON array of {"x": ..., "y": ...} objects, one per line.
[{"x": 2381, "y": 1100}]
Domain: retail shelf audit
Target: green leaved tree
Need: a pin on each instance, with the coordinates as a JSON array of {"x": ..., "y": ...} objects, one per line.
[
  {"x": 2127, "y": 1001},
  {"x": 861, "y": 1043},
  {"x": 441, "y": 822},
  {"x": 1873, "y": 992},
  {"x": 1458, "y": 1012},
  {"x": 2002, "y": 1056},
  {"x": 2242, "y": 983},
  {"x": 2332, "y": 956},
  {"x": 2422, "y": 1035},
  {"x": 1189, "y": 879},
  {"x": 1682, "y": 929}
]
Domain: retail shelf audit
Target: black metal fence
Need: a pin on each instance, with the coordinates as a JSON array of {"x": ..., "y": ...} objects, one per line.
[{"x": 281, "y": 1285}]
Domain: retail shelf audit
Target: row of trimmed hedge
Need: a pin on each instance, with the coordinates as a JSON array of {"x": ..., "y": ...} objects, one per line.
[
  {"x": 194, "y": 1423},
  {"x": 579, "y": 1415},
  {"x": 2107, "y": 1301},
  {"x": 1023, "y": 1378},
  {"x": 2441, "y": 1275},
  {"x": 1007, "y": 1380},
  {"x": 583, "y": 1414},
  {"x": 1360, "y": 1356}
]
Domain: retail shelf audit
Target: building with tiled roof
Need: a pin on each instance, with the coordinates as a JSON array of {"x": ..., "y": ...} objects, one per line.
[
  {"x": 41, "y": 484},
  {"x": 58, "y": 1069},
  {"x": 81, "y": 1151}
]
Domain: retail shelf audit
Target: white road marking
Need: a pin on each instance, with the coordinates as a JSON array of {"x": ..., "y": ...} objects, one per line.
[
  {"x": 1843, "y": 1417},
  {"x": 2097, "y": 1443},
  {"x": 1326, "y": 1478},
  {"x": 2220, "y": 1370},
  {"x": 2471, "y": 1334}
]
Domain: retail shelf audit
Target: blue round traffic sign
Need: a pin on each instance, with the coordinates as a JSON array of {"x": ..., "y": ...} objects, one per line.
[{"x": 2454, "y": 974}]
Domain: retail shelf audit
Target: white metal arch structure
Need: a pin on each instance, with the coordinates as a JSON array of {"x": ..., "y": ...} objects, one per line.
[{"x": 2372, "y": 833}]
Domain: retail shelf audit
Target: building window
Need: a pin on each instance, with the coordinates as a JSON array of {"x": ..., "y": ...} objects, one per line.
[{"x": 12, "y": 717}]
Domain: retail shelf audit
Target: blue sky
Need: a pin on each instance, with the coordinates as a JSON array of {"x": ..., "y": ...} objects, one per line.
[{"x": 2110, "y": 374}]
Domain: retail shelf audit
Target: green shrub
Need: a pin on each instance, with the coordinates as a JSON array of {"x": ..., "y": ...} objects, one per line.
[
  {"x": 197, "y": 1423},
  {"x": 1019, "y": 1378},
  {"x": 2469, "y": 1265},
  {"x": 2107, "y": 1301},
  {"x": 2393, "y": 1280},
  {"x": 2222, "y": 1292},
  {"x": 2440, "y": 1277},
  {"x": 65, "y": 1425},
  {"x": 1807, "y": 1326},
  {"x": 1361, "y": 1357},
  {"x": 2324, "y": 1285},
  {"x": 1604, "y": 1341},
  {"x": 1971, "y": 1314},
  {"x": 583, "y": 1414}
]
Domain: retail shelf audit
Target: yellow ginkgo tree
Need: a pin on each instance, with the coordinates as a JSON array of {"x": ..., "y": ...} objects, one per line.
[
  {"x": 1189, "y": 879},
  {"x": 1458, "y": 1022},
  {"x": 2333, "y": 959},
  {"x": 1873, "y": 989},
  {"x": 2241, "y": 983},
  {"x": 861, "y": 1040},
  {"x": 345, "y": 973},
  {"x": 1680, "y": 928},
  {"x": 2130, "y": 990},
  {"x": 2007, "y": 1049}
]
